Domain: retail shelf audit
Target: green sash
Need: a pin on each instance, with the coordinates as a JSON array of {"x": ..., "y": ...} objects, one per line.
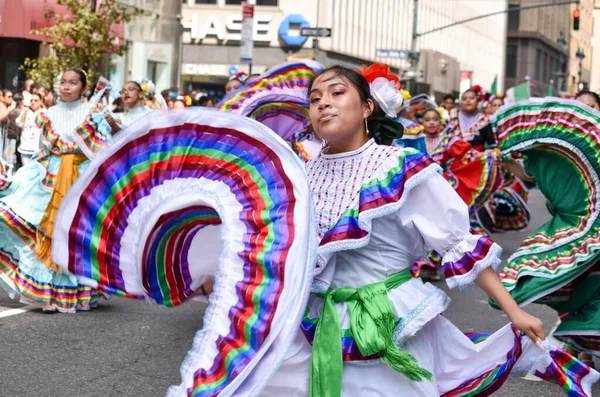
[{"x": 372, "y": 321}]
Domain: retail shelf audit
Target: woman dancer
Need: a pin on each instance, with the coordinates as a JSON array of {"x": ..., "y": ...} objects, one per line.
[
  {"x": 373, "y": 224},
  {"x": 134, "y": 95},
  {"x": 557, "y": 265},
  {"x": 72, "y": 131},
  {"x": 470, "y": 124}
]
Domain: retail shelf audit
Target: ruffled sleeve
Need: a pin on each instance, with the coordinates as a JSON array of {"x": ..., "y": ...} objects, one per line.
[
  {"x": 93, "y": 133},
  {"x": 442, "y": 219}
]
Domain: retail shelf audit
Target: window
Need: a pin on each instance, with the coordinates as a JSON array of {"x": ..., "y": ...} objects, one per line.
[
  {"x": 258, "y": 2},
  {"x": 513, "y": 18},
  {"x": 205, "y": 1},
  {"x": 511, "y": 61}
]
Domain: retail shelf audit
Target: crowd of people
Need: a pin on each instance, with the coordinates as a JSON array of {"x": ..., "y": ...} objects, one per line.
[{"x": 400, "y": 188}]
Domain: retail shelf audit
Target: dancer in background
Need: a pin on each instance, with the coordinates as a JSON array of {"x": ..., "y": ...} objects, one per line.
[
  {"x": 553, "y": 144},
  {"x": 134, "y": 95},
  {"x": 71, "y": 133},
  {"x": 589, "y": 98},
  {"x": 469, "y": 123}
]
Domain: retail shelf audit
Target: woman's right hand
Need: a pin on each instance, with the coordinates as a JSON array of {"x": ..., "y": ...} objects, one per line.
[
  {"x": 516, "y": 168},
  {"x": 113, "y": 124}
]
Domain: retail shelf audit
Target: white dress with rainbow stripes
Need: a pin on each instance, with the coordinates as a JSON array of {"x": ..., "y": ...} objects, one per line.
[
  {"x": 376, "y": 210},
  {"x": 69, "y": 127}
]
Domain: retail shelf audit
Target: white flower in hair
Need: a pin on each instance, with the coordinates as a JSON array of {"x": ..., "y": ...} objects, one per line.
[
  {"x": 387, "y": 96},
  {"x": 383, "y": 88}
]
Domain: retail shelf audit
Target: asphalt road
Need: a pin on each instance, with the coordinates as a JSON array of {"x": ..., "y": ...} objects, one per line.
[{"x": 129, "y": 348}]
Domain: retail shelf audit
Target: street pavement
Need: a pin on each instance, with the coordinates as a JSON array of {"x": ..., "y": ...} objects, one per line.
[{"x": 130, "y": 348}]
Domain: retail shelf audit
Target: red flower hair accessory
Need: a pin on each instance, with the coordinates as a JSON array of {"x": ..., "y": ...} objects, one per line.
[
  {"x": 370, "y": 73},
  {"x": 384, "y": 87},
  {"x": 480, "y": 92}
]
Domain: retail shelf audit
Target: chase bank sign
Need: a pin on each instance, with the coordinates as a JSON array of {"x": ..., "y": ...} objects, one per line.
[{"x": 228, "y": 27}]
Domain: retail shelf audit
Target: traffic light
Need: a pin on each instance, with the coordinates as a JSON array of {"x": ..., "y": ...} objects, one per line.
[{"x": 576, "y": 14}]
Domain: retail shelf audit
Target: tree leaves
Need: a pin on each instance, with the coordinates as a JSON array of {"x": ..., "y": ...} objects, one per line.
[{"x": 80, "y": 38}]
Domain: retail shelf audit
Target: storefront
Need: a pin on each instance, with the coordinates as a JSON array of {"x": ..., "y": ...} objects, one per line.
[{"x": 211, "y": 42}]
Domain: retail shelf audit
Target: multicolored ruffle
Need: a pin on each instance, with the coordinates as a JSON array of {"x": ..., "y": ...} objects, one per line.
[{"x": 560, "y": 141}]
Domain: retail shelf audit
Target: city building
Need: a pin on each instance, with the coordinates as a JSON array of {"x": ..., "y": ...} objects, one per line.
[
  {"x": 595, "y": 77},
  {"x": 17, "y": 19},
  {"x": 537, "y": 47},
  {"x": 154, "y": 39},
  {"x": 465, "y": 54},
  {"x": 362, "y": 31},
  {"x": 580, "y": 47}
]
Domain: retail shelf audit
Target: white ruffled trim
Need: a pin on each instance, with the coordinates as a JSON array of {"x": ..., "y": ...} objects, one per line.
[
  {"x": 365, "y": 218},
  {"x": 434, "y": 304},
  {"x": 466, "y": 280},
  {"x": 387, "y": 96}
]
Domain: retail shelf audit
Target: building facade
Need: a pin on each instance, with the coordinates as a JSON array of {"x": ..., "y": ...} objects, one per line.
[
  {"x": 595, "y": 75},
  {"x": 581, "y": 48},
  {"x": 154, "y": 39},
  {"x": 538, "y": 47},
  {"x": 360, "y": 30},
  {"x": 17, "y": 19}
]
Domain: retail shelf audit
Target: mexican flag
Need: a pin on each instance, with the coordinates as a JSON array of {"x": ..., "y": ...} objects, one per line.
[{"x": 519, "y": 92}]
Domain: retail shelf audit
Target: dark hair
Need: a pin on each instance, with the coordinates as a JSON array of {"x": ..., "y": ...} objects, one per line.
[
  {"x": 35, "y": 86},
  {"x": 139, "y": 87},
  {"x": 431, "y": 110},
  {"x": 449, "y": 97},
  {"x": 82, "y": 77},
  {"x": 383, "y": 129},
  {"x": 590, "y": 93},
  {"x": 203, "y": 100}
]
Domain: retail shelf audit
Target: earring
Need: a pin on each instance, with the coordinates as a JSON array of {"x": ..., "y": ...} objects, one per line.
[{"x": 367, "y": 127}]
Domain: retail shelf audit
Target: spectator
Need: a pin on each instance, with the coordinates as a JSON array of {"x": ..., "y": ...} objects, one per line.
[
  {"x": 449, "y": 102},
  {"x": 13, "y": 131},
  {"x": 30, "y": 135},
  {"x": 27, "y": 91},
  {"x": 35, "y": 88},
  {"x": 232, "y": 85},
  {"x": 8, "y": 99},
  {"x": 49, "y": 99},
  {"x": 179, "y": 103},
  {"x": 206, "y": 102}
]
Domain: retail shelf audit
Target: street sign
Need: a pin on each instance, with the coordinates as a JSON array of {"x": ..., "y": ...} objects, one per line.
[
  {"x": 315, "y": 32},
  {"x": 247, "y": 44},
  {"x": 400, "y": 54},
  {"x": 412, "y": 74}
]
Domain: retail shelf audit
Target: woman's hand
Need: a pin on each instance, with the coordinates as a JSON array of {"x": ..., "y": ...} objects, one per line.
[
  {"x": 530, "y": 325},
  {"x": 113, "y": 124},
  {"x": 489, "y": 282},
  {"x": 516, "y": 169}
]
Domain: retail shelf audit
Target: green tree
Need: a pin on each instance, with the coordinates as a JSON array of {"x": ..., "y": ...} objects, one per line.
[{"x": 81, "y": 37}]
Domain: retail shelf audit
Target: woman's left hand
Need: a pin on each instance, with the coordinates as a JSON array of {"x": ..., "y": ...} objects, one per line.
[{"x": 530, "y": 325}]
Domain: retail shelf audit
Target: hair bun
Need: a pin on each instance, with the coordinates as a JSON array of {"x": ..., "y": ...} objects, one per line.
[{"x": 383, "y": 129}]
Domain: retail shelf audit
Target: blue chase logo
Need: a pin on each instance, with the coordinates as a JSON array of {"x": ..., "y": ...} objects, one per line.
[{"x": 289, "y": 30}]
